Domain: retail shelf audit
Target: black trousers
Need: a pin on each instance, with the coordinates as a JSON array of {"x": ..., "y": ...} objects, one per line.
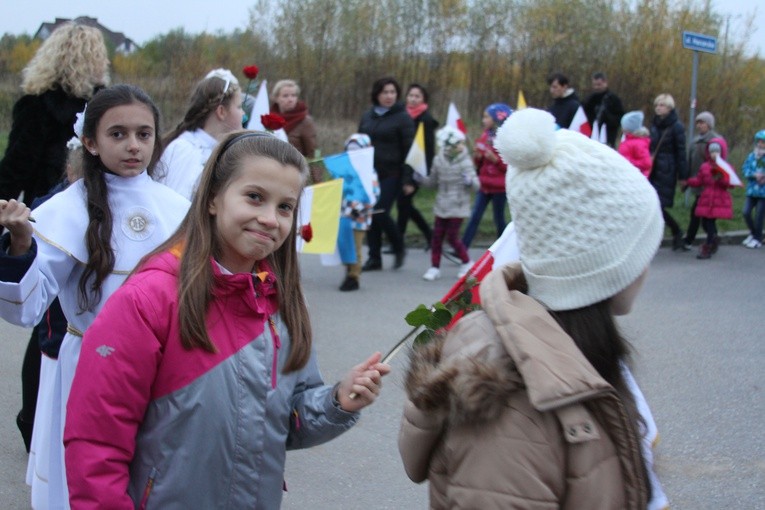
[{"x": 406, "y": 211}]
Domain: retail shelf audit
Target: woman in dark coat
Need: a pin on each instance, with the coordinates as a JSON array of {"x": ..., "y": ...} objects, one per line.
[
  {"x": 417, "y": 108},
  {"x": 391, "y": 130},
  {"x": 64, "y": 73},
  {"x": 669, "y": 160}
]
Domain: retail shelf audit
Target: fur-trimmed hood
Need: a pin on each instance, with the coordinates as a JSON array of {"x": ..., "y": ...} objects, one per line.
[{"x": 472, "y": 381}]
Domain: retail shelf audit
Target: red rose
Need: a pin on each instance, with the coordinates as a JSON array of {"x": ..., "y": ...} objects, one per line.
[
  {"x": 251, "y": 72},
  {"x": 306, "y": 232},
  {"x": 273, "y": 121}
]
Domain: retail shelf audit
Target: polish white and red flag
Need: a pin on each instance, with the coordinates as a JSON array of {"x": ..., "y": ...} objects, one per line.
[
  {"x": 733, "y": 178},
  {"x": 580, "y": 124},
  {"x": 454, "y": 120},
  {"x": 503, "y": 251}
]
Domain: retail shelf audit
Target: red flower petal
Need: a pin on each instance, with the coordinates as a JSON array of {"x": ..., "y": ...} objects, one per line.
[
  {"x": 251, "y": 72},
  {"x": 306, "y": 232},
  {"x": 273, "y": 121}
]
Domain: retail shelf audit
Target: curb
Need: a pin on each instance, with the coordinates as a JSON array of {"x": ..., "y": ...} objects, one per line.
[{"x": 732, "y": 237}]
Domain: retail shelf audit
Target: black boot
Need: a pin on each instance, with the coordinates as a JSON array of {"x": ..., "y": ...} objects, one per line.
[
  {"x": 400, "y": 255},
  {"x": 705, "y": 252},
  {"x": 349, "y": 283},
  {"x": 678, "y": 243},
  {"x": 25, "y": 427},
  {"x": 715, "y": 244},
  {"x": 372, "y": 265}
]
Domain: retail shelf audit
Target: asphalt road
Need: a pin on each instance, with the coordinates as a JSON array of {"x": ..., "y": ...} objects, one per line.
[{"x": 698, "y": 329}]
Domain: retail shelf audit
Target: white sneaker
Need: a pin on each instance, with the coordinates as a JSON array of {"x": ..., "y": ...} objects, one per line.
[
  {"x": 748, "y": 240},
  {"x": 432, "y": 274},
  {"x": 754, "y": 243},
  {"x": 464, "y": 268}
]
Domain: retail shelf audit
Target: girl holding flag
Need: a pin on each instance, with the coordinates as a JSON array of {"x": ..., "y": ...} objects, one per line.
[
  {"x": 528, "y": 402},
  {"x": 715, "y": 201}
]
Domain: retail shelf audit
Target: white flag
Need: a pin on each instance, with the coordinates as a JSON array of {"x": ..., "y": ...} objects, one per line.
[{"x": 261, "y": 108}]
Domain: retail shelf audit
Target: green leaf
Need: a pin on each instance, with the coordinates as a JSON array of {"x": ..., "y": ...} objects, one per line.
[
  {"x": 420, "y": 316},
  {"x": 440, "y": 318},
  {"x": 424, "y": 337}
]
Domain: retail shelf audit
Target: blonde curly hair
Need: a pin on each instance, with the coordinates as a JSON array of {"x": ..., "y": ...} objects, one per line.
[{"x": 74, "y": 58}]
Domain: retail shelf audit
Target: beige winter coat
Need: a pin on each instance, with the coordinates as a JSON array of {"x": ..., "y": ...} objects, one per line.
[{"x": 507, "y": 413}]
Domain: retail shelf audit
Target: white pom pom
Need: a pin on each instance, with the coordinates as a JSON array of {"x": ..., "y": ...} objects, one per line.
[{"x": 527, "y": 139}]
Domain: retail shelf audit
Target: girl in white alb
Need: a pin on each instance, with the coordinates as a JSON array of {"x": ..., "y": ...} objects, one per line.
[
  {"x": 82, "y": 245},
  {"x": 215, "y": 109}
]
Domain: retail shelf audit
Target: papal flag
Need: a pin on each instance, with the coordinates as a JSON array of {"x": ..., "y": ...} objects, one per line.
[
  {"x": 521, "y": 101},
  {"x": 416, "y": 156},
  {"x": 319, "y": 217},
  {"x": 357, "y": 170}
]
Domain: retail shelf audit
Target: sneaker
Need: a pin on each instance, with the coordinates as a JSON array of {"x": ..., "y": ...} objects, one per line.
[
  {"x": 464, "y": 268},
  {"x": 432, "y": 274},
  {"x": 748, "y": 240},
  {"x": 754, "y": 243}
]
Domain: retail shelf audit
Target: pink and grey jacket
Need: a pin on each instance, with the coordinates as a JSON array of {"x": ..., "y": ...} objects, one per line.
[{"x": 153, "y": 425}]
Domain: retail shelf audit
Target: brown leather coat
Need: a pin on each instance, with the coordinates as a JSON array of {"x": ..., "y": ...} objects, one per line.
[{"x": 508, "y": 413}]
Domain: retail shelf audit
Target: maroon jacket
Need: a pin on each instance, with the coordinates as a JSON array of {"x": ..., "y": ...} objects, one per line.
[
  {"x": 715, "y": 200},
  {"x": 490, "y": 174}
]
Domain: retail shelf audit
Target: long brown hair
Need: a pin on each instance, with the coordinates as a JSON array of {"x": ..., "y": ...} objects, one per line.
[
  {"x": 198, "y": 236},
  {"x": 208, "y": 94},
  {"x": 98, "y": 235},
  {"x": 597, "y": 335}
]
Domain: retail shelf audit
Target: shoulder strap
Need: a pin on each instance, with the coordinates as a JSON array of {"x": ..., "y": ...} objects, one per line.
[{"x": 661, "y": 139}]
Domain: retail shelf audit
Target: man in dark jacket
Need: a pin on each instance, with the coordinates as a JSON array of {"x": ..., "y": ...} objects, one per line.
[
  {"x": 604, "y": 107},
  {"x": 565, "y": 101}
]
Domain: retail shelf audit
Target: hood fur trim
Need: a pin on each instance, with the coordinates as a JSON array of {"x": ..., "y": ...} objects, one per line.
[{"x": 470, "y": 390}]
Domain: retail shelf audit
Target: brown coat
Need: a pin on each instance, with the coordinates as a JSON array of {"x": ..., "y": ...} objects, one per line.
[
  {"x": 508, "y": 413},
  {"x": 303, "y": 137}
]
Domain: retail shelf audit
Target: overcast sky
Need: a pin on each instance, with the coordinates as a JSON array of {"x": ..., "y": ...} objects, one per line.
[{"x": 142, "y": 20}]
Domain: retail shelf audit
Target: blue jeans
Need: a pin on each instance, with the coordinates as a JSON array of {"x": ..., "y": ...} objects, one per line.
[
  {"x": 498, "y": 205},
  {"x": 756, "y": 204}
]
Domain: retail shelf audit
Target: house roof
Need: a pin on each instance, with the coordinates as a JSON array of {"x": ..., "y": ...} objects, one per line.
[{"x": 118, "y": 39}]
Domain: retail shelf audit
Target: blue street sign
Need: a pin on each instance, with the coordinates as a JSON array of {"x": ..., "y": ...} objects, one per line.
[{"x": 699, "y": 42}]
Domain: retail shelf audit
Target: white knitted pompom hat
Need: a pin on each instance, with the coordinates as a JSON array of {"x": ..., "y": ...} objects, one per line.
[{"x": 588, "y": 224}]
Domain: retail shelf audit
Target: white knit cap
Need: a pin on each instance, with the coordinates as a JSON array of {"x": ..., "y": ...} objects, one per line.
[{"x": 588, "y": 224}]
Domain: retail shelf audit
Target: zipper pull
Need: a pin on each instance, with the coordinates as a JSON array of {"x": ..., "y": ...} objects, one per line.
[{"x": 149, "y": 486}]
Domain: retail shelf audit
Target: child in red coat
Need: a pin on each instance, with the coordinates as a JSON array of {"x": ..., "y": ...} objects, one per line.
[
  {"x": 715, "y": 201},
  {"x": 635, "y": 144},
  {"x": 491, "y": 173}
]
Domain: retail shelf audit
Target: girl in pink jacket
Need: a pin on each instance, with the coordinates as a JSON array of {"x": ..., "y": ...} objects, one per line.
[
  {"x": 636, "y": 141},
  {"x": 199, "y": 373}
]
